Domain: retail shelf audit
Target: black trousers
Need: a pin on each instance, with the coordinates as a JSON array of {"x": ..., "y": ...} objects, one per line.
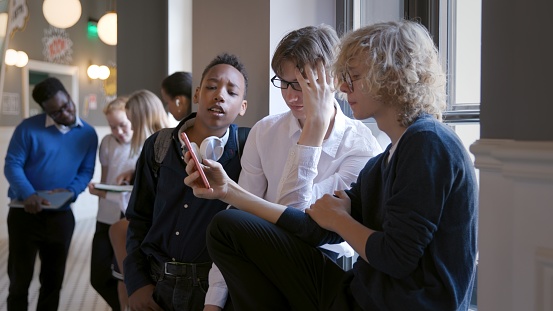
[
  {"x": 49, "y": 234},
  {"x": 102, "y": 258},
  {"x": 267, "y": 268}
]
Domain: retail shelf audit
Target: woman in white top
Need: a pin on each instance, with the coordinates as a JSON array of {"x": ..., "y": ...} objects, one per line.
[
  {"x": 115, "y": 158},
  {"x": 147, "y": 116}
]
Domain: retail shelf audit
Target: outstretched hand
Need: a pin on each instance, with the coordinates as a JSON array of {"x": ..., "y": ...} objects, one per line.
[{"x": 218, "y": 178}]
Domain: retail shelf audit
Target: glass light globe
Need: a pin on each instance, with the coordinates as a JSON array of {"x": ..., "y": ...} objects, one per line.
[
  {"x": 107, "y": 28},
  {"x": 11, "y": 57},
  {"x": 22, "y": 59},
  {"x": 103, "y": 72},
  {"x": 93, "y": 71},
  {"x": 62, "y": 13}
]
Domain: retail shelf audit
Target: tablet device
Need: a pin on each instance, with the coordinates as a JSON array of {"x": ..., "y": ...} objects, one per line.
[
  {"x": 195, "y": 159},
  {"x": 114, "y": 188},
  {"x": 56, "y": 199}
]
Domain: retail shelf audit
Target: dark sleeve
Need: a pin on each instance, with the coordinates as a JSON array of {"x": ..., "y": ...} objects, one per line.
[
  {"x": 422, "y": 179},
  {"x": 140, "y": 213},
  {"x": 301, "y": 225}
]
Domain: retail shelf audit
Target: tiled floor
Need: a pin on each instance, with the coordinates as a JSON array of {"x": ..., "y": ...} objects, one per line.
[{"x": 77, "y": 293}]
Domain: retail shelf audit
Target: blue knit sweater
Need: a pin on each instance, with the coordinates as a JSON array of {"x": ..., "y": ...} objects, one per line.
[
  {"x": 423, "y": 205},
  {"x": 42, "y": 158}
]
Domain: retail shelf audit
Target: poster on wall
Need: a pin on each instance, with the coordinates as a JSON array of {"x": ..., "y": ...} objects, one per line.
[
  {"x": 19, "y": 13},
  {"x": 58, "y": 47}
]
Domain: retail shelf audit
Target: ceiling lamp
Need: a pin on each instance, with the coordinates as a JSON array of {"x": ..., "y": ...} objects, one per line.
[
  {"x": 17, "y": 58},
  {"x": 11, "y": 57},
  {"x": 62, "y": 13},
  {"x": 107, "y": 28},
  {"x": 22, "y": 59},
  {"x": 98, "y": 72}
]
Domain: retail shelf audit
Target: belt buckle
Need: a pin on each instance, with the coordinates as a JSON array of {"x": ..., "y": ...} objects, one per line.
[{"x": 165, "y": 268}]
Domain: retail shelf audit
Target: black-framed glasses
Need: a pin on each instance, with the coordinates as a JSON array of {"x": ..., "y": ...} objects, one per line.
[
  {"x": 349, "y": 81},
  {"x": 56, "y": 114},
  {"x": 347, "y": 78},
  {"x": 282, "y": 84}
]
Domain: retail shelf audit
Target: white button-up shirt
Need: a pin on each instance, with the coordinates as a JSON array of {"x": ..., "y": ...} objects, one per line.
[{"x": 276, "y": 168}]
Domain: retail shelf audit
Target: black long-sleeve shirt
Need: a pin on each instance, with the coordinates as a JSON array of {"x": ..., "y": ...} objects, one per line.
[{"x": 166, "y": 220}]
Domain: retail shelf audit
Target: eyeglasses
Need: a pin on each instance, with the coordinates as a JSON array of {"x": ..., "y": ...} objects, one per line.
[
  {"x": 282, "y": 84},
  {"x": 56, "y": 114},
  {"x": 349, "y": 81}
]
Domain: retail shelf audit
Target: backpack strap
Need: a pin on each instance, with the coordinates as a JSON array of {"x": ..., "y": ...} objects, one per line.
[
  {"x": 242, "y": 136},
  {"x": 161, "y": 145}
]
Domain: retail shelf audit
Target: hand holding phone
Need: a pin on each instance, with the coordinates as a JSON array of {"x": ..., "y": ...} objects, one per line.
[{"x": 195, "y": 159}]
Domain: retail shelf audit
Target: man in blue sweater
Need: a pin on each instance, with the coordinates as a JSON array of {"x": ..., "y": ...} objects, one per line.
[
  {"x": 411, "y": 215},
  {"x": 53, "y": 151}
]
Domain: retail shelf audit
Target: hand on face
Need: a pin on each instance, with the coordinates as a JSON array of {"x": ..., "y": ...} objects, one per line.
[{"x": 318, "y": 93}]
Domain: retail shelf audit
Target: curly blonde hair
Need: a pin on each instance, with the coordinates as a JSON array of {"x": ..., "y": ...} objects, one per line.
[{"x": 403, "y": 68}]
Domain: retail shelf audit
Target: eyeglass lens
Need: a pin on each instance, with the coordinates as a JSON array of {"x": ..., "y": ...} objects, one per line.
[{"x": 282, "y": 84}]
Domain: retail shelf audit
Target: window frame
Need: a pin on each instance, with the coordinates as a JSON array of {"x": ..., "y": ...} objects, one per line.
[{"x": 439, "y": 17}]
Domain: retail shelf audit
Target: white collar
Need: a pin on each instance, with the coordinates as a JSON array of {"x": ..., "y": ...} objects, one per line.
[{"x": 62, "y": 128}]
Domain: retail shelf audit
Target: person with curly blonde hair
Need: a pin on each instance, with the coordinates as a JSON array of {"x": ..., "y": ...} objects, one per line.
[{"x": 411, "y": 215}]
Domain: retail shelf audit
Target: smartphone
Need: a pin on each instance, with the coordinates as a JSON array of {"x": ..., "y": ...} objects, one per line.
[{"x": 195, "y": 159}]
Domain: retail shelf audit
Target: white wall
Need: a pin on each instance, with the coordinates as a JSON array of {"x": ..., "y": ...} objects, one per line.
[
  {"x": 284, "y": 19},
  {"x": 515, "y": 270},
  {"x": 180, "y": 36}
]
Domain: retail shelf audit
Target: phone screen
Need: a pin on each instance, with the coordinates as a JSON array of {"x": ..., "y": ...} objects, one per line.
[{"x": 195, "y": 159}]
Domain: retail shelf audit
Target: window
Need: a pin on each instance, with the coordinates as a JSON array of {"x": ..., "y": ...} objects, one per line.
[{"x": 455, "y": 26}]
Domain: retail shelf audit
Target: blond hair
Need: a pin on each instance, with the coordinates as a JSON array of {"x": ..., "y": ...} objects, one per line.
[
  {"x": 147, "y": 115},
  {"x": 403, "y": 68},
  {"x": 116, "y": 104}
]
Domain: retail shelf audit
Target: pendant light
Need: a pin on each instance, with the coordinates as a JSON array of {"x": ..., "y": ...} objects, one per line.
[
  {"x": 62, "y": 13},
  {"x": 107, "y": 27}
]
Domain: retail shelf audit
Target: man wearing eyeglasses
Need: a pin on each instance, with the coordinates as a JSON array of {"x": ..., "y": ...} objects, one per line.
[
  {"x": 296, "y": 157},
  {"x": 54, "y": 151}
]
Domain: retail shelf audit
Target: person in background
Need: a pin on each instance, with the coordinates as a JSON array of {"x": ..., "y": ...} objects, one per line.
[
  {"x": 167, "y": 263},
  {"x": 146, "y": 115},
  {"x": 278, "y": 163},
  {"x": 411, "y": 215},
  {"x": 114, "y": 156},
  {"x": 176, "y": 93},
  {"x": 55, "y": 151}
]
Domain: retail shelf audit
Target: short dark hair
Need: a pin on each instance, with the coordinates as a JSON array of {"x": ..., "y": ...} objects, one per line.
[
  {"x": 231, "y": 60},
  {"x": 178, "y": 83},
  {"x": 46, "y": 89}
]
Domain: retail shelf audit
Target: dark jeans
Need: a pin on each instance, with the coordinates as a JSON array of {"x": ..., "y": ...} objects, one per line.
[
  {"x": 102, "y": 258},
  {"x": 180, "y": 286},
  {"x": 267, "y": 268},
  {"x": 49, "y": 234}
]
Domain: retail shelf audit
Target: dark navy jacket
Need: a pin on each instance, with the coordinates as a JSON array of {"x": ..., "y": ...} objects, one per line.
[
  {"x": 423, "y": 206},
  {"x": 166, "y": 220}
]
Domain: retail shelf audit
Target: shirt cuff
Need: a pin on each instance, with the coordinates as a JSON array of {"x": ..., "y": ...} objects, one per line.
[
  {"x": 307, "y": 155},
  {"x": 216, "y": 296}
]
